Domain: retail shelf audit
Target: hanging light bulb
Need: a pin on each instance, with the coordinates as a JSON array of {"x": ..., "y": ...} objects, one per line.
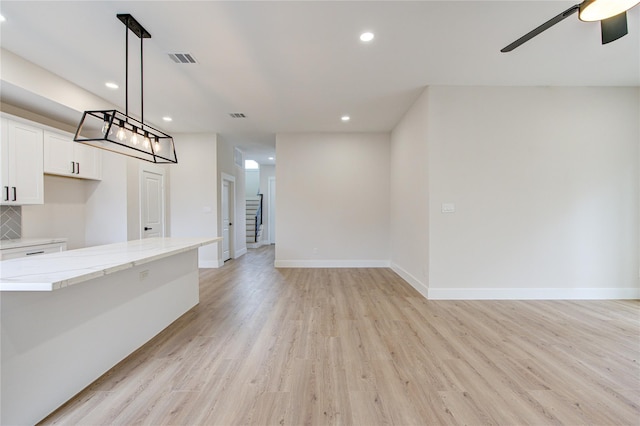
[
  {"x": 146, "y": 142},
  {"x": 122, "y": 134},
  {"x": 105, "y": 125},
  {"x": 156, "y": 145},
  {"x": 134, "y": 137}
]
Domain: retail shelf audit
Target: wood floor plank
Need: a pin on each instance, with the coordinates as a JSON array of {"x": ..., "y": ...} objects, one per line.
[
  {"x": 324, "y": 346},
  {"x": 367, "y": 409},
  {"x": 271, "y": 408}
]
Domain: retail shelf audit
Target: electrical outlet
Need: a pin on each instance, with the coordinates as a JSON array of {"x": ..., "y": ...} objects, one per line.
[{"x": 144, "y": 274}]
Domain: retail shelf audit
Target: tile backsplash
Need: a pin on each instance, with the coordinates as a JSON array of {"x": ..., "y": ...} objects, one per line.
[{"x": 10, "y": 222}]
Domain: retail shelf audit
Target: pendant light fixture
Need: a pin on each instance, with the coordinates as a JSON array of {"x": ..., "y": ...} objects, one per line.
[
  {"x": 114, "y": 131},
  {"x": 599, "y": 10}
]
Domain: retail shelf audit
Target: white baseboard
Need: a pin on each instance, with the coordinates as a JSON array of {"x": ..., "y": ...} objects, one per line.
[
  {"x": 239, "y": 253},
  {"x": 421, "y": 287},
  {"x": 472, "y": 293},
  {"x": 532, "y": 293},
  {"x": 327, "y": 263}
]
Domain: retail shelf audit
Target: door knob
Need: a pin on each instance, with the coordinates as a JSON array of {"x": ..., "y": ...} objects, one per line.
[{"x": 146, "y": 228}]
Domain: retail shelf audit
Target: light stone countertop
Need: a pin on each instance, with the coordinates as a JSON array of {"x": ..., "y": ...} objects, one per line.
[
  {"x": 54, "y": 271},
  {"x": 28, "y": 242}
]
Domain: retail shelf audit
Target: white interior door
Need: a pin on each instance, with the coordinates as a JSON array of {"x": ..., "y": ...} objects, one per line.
[
  {"x": 152, "y": 205},
  {"x": 226, "y": 251}
]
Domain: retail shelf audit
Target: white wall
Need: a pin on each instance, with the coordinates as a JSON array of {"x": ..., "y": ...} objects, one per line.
[
  {"x": 133, "y": 200},
  {"x": 252, "y": 182},
  {"x": 409, "y": 229},
  {"x": 106, "y": 208},
  {"x": 333, "y": 199},
  {"x": 61, "y": 215},
  {"x": 546, "y": 188},
  {"x": 194, "y": 193}
]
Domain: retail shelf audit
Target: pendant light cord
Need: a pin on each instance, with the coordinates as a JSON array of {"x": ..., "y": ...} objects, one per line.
[
  {"x": 126, "y": 71},
  {"x": 126, "y": 84},
  {"x": 141, "y": 82}
]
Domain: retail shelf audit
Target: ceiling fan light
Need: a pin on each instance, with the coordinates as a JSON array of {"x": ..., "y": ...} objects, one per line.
[{"x": 597, "y": 10}]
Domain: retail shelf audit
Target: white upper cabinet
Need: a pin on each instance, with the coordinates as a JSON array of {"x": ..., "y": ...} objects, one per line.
[
  {"x": 64, "y": 157},
  {"x": 21, "y": 164}
]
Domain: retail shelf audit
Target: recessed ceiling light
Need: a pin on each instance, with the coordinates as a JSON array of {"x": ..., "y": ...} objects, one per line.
[
  {"x": 366, "y": 37},
  {"x": 111, "y": 85},
  {"x": 271, "y": 158},
  {"x": 2, "y": 18},
  {"x": 167, "y": 118},
  {"x": 345, "y": 118}
]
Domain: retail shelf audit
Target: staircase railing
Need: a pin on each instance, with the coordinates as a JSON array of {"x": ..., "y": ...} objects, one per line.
[{"x": 258, "y": 221}]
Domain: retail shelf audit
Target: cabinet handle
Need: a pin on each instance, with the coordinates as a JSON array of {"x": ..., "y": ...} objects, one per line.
[
  {"x": 35, "y": 252},
  {"x": 73, "y": 167},
  {"x": 78, "y": 172},
  {"x": 6, "y": 193},
  {"x": 15, "y": 194}
]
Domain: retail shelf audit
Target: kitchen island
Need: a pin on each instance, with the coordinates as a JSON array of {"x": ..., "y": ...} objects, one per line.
[{"x": 69, "y": 317}]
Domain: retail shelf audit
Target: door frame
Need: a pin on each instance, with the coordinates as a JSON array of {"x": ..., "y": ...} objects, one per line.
[
  {"x": 158, "y": 170},
  {"x": 271, "y": 199},
  {"x": 232, "y": 214}
]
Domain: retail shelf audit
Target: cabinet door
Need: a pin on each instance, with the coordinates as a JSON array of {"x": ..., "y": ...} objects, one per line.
[
  {"x": 25, "y": 164},
  {"x": 4, "y": 162},
  {"x": 89, "y": 161},
  {"x": 58, "y": 154},
  {"x": 32, "y": 251}
]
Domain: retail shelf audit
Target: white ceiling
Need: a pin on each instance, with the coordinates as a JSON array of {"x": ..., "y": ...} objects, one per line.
[{"x": 298, "y": 66}]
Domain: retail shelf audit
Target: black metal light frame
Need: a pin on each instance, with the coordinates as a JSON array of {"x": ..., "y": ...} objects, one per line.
[{"x": 118, "y": 132}]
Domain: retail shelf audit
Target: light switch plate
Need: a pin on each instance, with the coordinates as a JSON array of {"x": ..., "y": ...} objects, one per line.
[{"x": 448, "y": 208}]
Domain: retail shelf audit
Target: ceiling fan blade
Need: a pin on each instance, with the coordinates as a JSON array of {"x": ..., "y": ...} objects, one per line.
[
  {"x": 551, "y": 22},
  {"x": 613, "y": 28}
]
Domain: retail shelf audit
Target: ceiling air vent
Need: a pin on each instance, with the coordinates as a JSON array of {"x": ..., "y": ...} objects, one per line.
[
  {"x": 237, "y": 115},
  {"x": 182, "y": 58}
]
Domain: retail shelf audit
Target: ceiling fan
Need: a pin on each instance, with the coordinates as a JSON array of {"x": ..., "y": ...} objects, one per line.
[{"x": 612, "y": 15}]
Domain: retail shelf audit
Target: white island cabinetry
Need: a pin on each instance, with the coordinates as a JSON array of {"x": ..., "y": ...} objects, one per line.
[
  {"x": 14, "y": 249},
  {"x": 68, "y": 317}
]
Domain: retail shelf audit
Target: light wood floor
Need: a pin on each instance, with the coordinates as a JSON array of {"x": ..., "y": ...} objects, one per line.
[{"x": 359, "y": 346}]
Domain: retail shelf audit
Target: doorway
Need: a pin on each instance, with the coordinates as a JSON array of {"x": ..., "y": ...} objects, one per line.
[
  {"x": 227, "y": 203},
  {"x": 271, "y": 196},
  {"x": 151, "y": 204}
]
